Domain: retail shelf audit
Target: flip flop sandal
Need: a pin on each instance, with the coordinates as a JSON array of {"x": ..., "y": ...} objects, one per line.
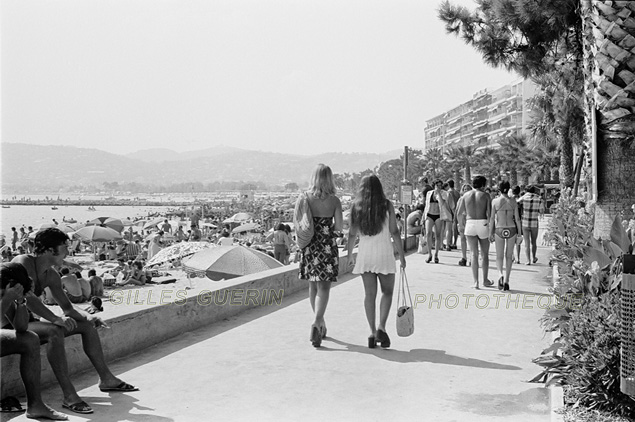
[
  {"x": 121, "y": 387},
  {"x": 10, "y": 405},
  {"x": 81, "y": 407}
]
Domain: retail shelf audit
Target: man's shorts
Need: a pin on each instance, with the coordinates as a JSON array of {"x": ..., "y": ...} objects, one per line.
[{"x": 478, "y": 228}]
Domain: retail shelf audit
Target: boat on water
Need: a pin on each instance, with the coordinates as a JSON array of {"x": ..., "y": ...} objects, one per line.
[
  {"x": 6, "y": 206},
  {"x": 54, "y": 208},
  {"x": 91, "y": 208}
]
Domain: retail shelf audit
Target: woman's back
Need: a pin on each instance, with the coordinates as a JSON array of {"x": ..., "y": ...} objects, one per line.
[
  {"x": 323, "y": 207},
  {"x": 503, "y": 208}
]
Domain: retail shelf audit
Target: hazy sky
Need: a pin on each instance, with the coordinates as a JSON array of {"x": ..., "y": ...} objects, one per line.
[{"x": 297, "y": 76}]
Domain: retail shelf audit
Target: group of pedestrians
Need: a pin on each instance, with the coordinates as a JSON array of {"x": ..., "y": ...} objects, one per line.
[
  {"x": 442, "y": 214},
  {"x": 505, "y": 220}
]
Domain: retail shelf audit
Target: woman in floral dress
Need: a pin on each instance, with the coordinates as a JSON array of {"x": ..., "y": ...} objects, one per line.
[{"x": 319, "y": 263}]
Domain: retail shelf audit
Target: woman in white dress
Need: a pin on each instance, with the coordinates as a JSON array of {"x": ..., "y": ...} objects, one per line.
[{"x": 373, "y": 219}]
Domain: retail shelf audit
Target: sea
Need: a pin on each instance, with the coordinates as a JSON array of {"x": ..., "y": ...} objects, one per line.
[{"x": 34, "y": 215}]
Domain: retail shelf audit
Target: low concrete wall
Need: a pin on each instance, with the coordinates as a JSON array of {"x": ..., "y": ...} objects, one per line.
[{"x": 144, "y": 326}]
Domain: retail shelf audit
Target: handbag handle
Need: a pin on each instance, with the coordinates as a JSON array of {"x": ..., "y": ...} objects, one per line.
[{"x": 403, "y": 286}]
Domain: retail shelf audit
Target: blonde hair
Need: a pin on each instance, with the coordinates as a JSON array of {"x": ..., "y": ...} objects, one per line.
[{"x": 321, "y": 183}]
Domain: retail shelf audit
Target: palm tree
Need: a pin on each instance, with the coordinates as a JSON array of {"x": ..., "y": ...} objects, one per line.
[
  {"x": 559, "y": 114},
  {"x": 488, "y": 164},
  {"x": 433, "y": 163},
  {"x": 512, "y": 151},
  {"x": 545, "y": 159},
  {"x": 463, "y": 157},
  {"x": 609, "y": 72}
]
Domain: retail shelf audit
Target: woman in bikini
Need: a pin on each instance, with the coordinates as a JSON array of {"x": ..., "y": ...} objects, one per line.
[
  {"x": 436, "y": 203},
  {"x": 504, "y": 230}
]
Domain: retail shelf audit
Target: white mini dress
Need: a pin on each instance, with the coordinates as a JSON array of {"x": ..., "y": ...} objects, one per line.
[{"x": 375, "y": 254}]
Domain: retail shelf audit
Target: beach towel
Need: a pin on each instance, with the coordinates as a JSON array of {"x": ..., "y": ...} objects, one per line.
[{"x": 303, "y": 221}]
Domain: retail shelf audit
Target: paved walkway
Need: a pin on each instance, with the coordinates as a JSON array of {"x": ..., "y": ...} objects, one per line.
[{"x": 465, "y": 362}]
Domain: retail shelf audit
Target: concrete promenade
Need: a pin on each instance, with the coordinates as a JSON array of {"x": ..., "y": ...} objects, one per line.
[{"x": 468, "y": 360}]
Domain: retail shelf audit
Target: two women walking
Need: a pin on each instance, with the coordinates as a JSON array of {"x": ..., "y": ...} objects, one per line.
[{"x": 372, "y": 218}]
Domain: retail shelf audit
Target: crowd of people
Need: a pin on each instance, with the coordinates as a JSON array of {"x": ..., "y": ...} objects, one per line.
[{"x": 475, "y": 217}]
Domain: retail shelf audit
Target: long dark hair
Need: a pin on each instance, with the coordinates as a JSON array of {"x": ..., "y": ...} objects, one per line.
[{"x": 370, "y": 206}]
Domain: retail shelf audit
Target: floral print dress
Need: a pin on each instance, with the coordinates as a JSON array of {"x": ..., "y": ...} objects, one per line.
[{"x": 320, "y": 259}]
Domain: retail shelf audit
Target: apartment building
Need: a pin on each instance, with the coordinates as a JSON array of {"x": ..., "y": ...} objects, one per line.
[{"x": 484, "y": 120}]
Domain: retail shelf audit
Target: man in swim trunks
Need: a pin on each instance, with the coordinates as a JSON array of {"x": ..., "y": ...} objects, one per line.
[
  {"x": 477, "y": 206},
  {"x": 51, "y": 247}
]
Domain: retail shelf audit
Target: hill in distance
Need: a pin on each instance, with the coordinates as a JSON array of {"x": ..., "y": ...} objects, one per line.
[{"x": 28, "y": 167}]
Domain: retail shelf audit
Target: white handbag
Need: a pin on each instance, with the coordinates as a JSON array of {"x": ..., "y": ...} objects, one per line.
[{"x": 405, "y": 311}]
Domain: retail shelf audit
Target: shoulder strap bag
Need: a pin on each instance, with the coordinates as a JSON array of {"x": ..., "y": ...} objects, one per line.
[{"x": 303, "y": 221}]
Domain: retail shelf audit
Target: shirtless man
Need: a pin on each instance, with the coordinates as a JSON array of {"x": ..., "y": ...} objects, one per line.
[
  {"x": 16, "y": 339},
  {"x": 51, "y": 247},
  {"x": 477, "y": 206}
]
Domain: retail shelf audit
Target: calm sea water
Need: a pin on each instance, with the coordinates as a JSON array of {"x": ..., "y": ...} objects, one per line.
[{"x": 33, "y": 215}]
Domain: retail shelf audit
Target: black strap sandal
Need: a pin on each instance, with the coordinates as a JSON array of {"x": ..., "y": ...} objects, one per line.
[{"x": 10, "y": 405}]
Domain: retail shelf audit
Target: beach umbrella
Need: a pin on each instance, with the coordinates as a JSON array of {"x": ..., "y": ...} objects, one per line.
[
  {"x": 127, "y": 222},
  {"x": 97, "y": 234},
  {"x": 153, "y": 223},
  {"x": 225, "y": 262},
  {"x": 239, "y": 217},
  {"x": 247, "y": 227},
  {"x": 210, "y": 225},
  {"x": 151, "y": 236},
  {"x": 176, "y": 252},
  {"x": 44, "y": 226},
  {"x": 63, "y": 227},
  {"x": 110, "y": 222}
]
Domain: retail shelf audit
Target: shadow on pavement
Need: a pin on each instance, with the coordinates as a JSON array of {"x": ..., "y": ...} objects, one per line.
[
  {"x": 526, "y": 402},
  {"x": 416, "y": 355}
]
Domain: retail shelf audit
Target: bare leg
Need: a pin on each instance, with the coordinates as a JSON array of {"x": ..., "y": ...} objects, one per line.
[
  {"x": 509, "y": 257},
  {"x": 500, "y": 253},
  {"x": 387, "y": 282},
  {"x": 463, "y": 246},
  {"x": 322, "y": 299},
  {"x": 370, "y": 295},
  {"x": 429, "y": 227},
  {"x": 56, "y": 355},
  {"x": 312, "y": 294},
  {"x": 484, "y": 243},
  {"x": 455, "y": 232},
  {"x": 27, "y": 345},
  {"x": 473, "y": 243},
  {"x": 438, "y": 235}
]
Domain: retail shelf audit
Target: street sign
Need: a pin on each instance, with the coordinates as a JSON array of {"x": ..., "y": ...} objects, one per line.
[{"x": 405, "y": 194}]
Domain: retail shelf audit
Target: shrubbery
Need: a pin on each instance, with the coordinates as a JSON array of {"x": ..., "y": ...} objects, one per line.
[
  {"x": 590, "y": 354},
  {"x": 586, "y": 355}
]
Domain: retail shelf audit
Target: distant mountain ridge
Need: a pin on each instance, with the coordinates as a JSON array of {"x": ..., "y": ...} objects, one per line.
[{"x": 27, "y": 167}]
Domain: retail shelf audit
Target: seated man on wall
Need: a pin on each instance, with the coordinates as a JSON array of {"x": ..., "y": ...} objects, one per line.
[
  {"x": 16, "y": 339},
  {"x": 50, "y": 249}
]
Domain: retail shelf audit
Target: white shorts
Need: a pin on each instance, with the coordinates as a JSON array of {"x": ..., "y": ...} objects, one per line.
[{"x": 477, "y": 228}]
